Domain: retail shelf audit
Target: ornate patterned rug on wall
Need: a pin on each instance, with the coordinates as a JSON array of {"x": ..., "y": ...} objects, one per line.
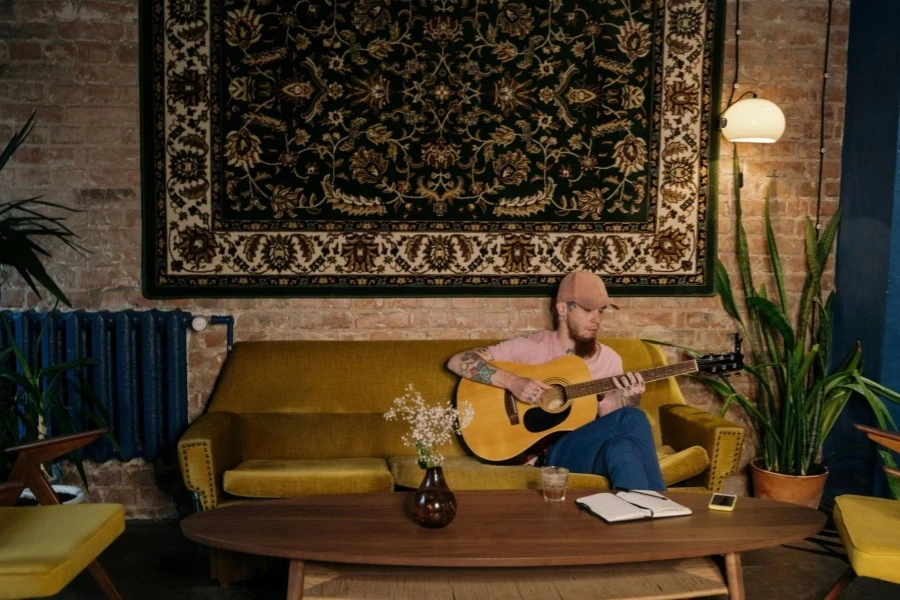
[{"x": 428, "y": 147}]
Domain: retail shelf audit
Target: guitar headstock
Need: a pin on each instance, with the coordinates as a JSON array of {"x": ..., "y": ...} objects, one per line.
[{"x": 717, "y": 364}]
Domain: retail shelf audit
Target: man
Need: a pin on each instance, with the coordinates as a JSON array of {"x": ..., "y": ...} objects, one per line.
[{"x": 619, "y": 442}]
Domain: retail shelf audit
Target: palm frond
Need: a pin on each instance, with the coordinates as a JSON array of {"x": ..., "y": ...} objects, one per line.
[{"x": 24, "y": 221}]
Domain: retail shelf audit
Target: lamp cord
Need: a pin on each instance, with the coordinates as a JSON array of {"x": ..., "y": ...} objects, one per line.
[
  {"x": 825, "y": 77},
  {"x": 737, "y": 49}
]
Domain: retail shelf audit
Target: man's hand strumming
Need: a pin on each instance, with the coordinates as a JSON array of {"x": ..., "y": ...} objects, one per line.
[{"x": 527, "y": 390}]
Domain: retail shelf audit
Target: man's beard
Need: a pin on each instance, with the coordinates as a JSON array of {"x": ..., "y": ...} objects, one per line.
[{"x": 585, "y": 347}]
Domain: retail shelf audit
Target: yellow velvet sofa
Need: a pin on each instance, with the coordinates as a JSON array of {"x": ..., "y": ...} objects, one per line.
[{"x": 300, "y": 418}]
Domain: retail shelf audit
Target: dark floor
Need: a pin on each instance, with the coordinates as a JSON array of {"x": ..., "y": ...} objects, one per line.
[{"x": 153, "y": 560}]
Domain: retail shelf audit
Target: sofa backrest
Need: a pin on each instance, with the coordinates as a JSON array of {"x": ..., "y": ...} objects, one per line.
[{"x": 326, "y": 399}]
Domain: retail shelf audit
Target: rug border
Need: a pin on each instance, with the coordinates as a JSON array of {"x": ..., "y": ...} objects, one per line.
[{"x": 152, "y": 290}]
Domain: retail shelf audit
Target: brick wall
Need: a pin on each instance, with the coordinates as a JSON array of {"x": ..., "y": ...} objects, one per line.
[{"x": 76, "y": 62}]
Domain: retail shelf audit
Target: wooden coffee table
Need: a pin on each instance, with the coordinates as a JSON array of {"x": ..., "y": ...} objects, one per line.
[{"x": 495, "y": 535}]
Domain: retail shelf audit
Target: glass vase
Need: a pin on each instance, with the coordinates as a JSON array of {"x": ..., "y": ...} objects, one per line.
[{"x": 433, "y": 504}]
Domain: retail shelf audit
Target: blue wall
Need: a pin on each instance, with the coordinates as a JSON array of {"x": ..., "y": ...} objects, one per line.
[{"x": 867, "y": 304}]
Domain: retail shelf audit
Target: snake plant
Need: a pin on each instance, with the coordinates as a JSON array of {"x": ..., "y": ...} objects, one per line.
[{"x": 798, "y": 395}]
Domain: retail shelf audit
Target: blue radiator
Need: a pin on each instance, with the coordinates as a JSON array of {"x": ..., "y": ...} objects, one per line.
[{"x": 139, "y": 373}]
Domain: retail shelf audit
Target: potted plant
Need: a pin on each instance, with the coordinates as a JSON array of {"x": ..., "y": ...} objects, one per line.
[
  {"x": 35, "y": 398},
  {"x": 798, "y": 395},
  {"x": 32, "y": 396}
]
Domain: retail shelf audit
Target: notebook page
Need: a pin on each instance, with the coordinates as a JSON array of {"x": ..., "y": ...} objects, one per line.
[
  {"x": 610, "y": 508},
  {"x": 659, "y": 505}
]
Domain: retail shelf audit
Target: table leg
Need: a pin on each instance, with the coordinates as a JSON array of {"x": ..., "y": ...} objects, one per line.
[
  {"x": 734, "y": 573},
  {"x": 295, "y": 580}
]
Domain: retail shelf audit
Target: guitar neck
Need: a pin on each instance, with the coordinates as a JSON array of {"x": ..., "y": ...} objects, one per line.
[{"x": 601, "y": 386}]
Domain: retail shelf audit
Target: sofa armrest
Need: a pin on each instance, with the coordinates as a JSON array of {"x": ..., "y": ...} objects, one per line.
[
  {"x": 685, "y": 426},
  {"x": 207, "y": 449}
]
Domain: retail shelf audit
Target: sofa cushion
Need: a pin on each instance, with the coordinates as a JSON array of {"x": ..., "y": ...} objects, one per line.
[
  {"x": 326, "y": 435},
  {"x": 42, "y": 548},
  {"x": 290, "y": 478},
  {"x": 468, "y": 473}
]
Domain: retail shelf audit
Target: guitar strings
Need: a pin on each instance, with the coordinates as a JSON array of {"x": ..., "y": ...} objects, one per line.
[{"x": 578, "y": 390}]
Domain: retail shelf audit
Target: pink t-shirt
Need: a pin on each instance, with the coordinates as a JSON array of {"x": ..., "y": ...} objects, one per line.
[{"x": 544, "y": 346}]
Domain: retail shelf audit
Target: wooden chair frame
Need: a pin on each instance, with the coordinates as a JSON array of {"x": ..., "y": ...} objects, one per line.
[
  {"x": 888, "y": 440},
  {"x": 27, "y": 471}
]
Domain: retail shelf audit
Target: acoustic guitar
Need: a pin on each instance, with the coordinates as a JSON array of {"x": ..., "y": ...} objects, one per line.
[{"x": 503, "y": 428}]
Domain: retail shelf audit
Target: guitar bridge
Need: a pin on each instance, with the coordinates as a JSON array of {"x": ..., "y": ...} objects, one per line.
[{"x": 512, "y": 411}]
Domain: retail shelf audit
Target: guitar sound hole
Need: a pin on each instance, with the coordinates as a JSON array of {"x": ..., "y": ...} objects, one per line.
[{"x": 537, "y": 419}]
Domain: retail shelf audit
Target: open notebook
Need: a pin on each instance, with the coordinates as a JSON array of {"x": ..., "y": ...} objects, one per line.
[{"x": 627, "y": 506}]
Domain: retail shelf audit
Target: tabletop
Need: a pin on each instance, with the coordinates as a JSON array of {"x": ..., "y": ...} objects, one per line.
[{"x": 492, "y": 529}]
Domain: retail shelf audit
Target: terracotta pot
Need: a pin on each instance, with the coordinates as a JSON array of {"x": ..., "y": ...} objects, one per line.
[{"x": 805, "y": 490}]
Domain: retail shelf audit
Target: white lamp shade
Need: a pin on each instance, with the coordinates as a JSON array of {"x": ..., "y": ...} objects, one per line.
[{"x": 753, "y": 120}]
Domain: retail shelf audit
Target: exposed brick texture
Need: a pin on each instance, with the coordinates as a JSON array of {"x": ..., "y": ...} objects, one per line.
[{"x": 75, "y": 61}]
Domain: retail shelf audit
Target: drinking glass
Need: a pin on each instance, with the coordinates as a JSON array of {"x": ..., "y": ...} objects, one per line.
[{"x": 553, "y": 483}]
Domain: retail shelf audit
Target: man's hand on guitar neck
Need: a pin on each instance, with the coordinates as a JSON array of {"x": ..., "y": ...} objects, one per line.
[{"x": 631, "y": 387}]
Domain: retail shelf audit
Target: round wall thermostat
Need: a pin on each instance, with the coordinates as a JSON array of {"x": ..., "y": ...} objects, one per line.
[{"x": 199, "y": 323}]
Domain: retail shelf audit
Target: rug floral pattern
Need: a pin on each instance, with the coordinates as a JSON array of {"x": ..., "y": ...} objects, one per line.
[{"x": 401, "y": 147}]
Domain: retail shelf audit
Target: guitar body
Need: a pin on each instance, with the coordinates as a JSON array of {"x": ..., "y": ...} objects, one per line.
[{"x": 493, "y": 436}]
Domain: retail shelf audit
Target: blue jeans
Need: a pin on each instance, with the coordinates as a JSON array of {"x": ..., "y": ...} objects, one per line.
[{"x": 619, "y": 446}]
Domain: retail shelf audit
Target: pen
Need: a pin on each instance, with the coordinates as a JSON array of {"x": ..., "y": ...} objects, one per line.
[{"x": 659, "y": 497}]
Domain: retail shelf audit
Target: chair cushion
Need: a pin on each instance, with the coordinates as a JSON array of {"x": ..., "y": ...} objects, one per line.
[
  {"x": 870, "y": 530},
  {"x": 42, "y": 548},
  {"x": 290, "y": 478},
  {"x": 468, "y": 473}
]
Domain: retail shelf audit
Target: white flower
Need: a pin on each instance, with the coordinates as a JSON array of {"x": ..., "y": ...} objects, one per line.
[{"x": 431, "y": 427}]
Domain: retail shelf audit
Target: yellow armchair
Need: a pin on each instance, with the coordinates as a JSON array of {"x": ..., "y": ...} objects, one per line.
[
  {"x": 685, "y": 427},
  {"x": 870, "y": 527},
  {"x": 42, "y": 548}
]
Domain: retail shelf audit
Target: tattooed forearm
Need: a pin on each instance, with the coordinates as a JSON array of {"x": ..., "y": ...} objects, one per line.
[{"x": 473, "y": 366}]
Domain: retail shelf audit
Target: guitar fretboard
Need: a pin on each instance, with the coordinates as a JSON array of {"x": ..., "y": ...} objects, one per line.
[{"x": 601, "y": 386}]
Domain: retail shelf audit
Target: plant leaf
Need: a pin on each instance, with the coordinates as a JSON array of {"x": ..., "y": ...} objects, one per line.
[
  {"x": 723, "y": 284},
  {"x": 823, "y": 249},
  {"x": 775, "y": 317},
  {"x": 17, "y": 139},
  {"x": 690, "y": 351},
  {"x": 773, "y": 253},
  {"x": 19, "y": 254}
]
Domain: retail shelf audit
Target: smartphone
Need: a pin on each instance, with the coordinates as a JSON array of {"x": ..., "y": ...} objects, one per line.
[{"x": 722, "y": 502}]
